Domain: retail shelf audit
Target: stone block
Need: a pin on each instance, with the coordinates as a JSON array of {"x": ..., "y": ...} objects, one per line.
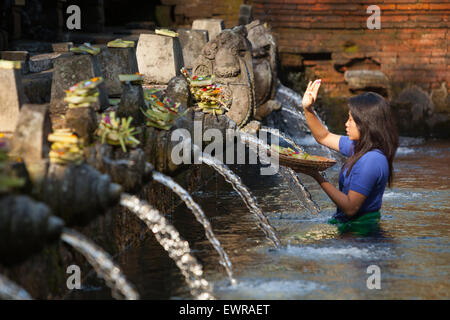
[
  {"x": 83, "y": 121},
  {"x": 42, "y": 62},
  {"x": 22, "y": 56},
  {"x": 38, "y": 86},
  {"x": 214, "y": 26},
  {"x": 159, "y": 58},
  {"x": 11, "y": 98},
  {"x": 61, "y": 47},
  {"x": 15, "y": 55},
  {"x": 192, "y": 43},
  {"x": 131, "y": 102},
  {"x": 115, "y": 61},
  {"x": 360, "y": 79},
  {"x": 69, "y": 70},
  {"x": 30, "y": 137},
  {"x": 30, "y": 140}
]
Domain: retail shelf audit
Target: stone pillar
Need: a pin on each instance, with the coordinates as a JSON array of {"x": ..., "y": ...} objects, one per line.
[
  {"x": 30, "y": 140},
  {"x": 131, "y": 102},
  {"x": 214, "y": 26},
  {"x": 192, "y": 43},
  {"x": 115, "y": 61},
  {"x": 69, "y": 70},
  {"x": 11, "y": 98},
  {"x": 22, "y": 56},
  {"x": 159, "y": 58}
]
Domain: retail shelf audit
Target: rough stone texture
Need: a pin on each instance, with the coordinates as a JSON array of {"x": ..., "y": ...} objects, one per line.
[
  {"x": 192, "y": 43},
  {"x": 11, "y": 98},
  {"x": 131, "y": 102},
  {"x": 38, "y": 86},
  {"x": 178, "y": 91},
  {"x": 115, "y": 61},
  {"x": 15, "y": 55},
  {"x": 68, "y": 71},
  {"x": 159, "y": 58},
  {"x": 229, "y": 58},
  {"x": 78, "y": 193},
  {"x": 362, "y": 79},
  {"x": 441, "y": 98},
  {"x": 42, "y": 62},
  {"x": 125, "y": 168},
  {"x": 214, "y": 26},
  {"x": 20, "y": 55},
  {"x": 26, "y": 226},
  {"x": 83, "y": 121},
  {"x": 417, "y": 113},
  {"x": 252, "y": 127},
  {"x": 30, "y": 138},
  {"x": 264, "y": 54},
  {"x": 62, "y": 46}
]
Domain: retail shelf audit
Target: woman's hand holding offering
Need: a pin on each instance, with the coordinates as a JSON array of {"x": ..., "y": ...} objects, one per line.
[{"x": 310, "y": 94}]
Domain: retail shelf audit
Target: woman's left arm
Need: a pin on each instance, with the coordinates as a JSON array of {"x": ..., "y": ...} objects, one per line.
[{"x": 349, "y": 204}]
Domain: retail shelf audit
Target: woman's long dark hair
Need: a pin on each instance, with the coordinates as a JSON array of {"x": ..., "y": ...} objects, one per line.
[{"x": 377, "y": 129}]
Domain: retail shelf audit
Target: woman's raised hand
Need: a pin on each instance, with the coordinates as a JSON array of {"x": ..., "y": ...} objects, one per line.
[{"x": 310, "y": 94}]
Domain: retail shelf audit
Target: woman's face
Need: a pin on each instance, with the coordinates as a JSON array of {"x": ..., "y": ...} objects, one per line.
[{"x": 351, "y": 128}]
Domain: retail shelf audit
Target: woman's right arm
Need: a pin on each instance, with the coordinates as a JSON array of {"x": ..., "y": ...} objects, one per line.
[{"x": 318, "y": 130}]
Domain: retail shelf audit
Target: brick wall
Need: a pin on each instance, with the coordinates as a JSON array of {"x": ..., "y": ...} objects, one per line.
[{"x": 331, "y": 36}]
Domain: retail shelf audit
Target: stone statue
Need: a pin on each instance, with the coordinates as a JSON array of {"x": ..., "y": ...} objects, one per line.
[
  {"x": 264, "y": 52},
  {"x": 228, "y": 58}
]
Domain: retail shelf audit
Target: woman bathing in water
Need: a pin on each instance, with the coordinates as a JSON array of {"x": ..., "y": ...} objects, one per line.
[{"x": 370, "y": 144}]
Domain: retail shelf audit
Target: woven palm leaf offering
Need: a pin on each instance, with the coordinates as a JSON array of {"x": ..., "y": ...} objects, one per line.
[
  {"x": 166, "y": 32},
  {"x": 296, "y": 159},
  {"x": 85, "y": 48},
  {"x": 119, "y": 43},
  {"x": 117, "y": 131},
  {"x": 66, "y": 147},
  {"x": 161, "y": 114},
  {"x": 84, "y": 93},
  {"x": 209, "y": 96},
  {"x": 8, "y": 182}
]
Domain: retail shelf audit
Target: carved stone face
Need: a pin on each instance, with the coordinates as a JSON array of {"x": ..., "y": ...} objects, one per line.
[
  {"x": 264, "y": 61},
  {"x": 228, "y": 57}
]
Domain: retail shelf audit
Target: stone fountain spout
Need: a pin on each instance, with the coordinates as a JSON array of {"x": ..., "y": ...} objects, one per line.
[{"x": 26, "y": 227}]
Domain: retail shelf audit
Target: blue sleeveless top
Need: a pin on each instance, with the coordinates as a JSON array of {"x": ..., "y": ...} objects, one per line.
[{"x": 368, "y": 176}]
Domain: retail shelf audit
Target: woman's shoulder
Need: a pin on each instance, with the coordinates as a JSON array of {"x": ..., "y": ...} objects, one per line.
[{"x": 375, "y": 158}]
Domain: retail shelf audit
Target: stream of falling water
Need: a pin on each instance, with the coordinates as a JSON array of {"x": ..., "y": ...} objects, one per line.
[
  {"x": 201, "y": 218},
  {"x": 291, "y": 177},
  {"x": 171, "y": 241},
  {"x": 280, "y": 134},
  {"x": 243, "y": 191},
  {"x": 11, "y": 291},
  {"x": 292, "y": 103},
  {"x": 102, "y": 263}
]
